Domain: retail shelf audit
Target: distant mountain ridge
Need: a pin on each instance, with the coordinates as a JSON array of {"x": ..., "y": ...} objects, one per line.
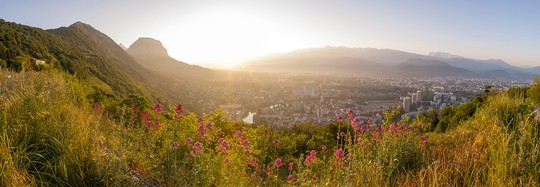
[{"x": 381, "y": 61}]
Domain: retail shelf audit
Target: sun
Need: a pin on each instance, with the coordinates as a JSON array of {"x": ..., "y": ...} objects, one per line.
[{"x": 227, "y": 37}]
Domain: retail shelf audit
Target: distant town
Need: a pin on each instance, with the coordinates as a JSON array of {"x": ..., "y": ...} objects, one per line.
[{"x": 285, "y": 99}]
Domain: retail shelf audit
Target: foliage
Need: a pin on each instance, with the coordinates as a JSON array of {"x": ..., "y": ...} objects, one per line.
[{"x": 67, "y": 137}]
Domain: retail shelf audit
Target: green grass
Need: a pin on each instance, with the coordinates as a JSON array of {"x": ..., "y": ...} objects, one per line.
[{"x": 51, "y": 135}]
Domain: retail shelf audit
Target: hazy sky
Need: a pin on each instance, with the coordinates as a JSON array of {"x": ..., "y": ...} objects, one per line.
[{"x": 227, "y": 32}]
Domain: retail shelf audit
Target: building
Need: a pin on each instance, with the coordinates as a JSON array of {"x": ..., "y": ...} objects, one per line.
[
  {"x": 306, "y": 91},
  {"x": 407, "y": 104},
  {"x": 419, "y": 95},
  {"x": 414, "y": 98}
]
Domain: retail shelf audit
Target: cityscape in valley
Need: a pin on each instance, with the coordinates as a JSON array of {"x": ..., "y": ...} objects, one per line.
[{"x": 269, "y": 93}]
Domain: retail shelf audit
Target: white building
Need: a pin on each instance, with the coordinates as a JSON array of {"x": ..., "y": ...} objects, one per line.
[{"x": 407, "y": 104}]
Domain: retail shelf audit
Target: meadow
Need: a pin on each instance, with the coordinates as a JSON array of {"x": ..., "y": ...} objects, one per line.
[{"x": 53, "y": 133}]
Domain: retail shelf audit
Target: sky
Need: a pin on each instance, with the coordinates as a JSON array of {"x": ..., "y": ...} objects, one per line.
[{"x": 224, "y": 33}]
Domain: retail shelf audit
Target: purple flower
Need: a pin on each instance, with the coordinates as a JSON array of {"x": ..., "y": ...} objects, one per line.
[
  {"x": 339, "y": 154},
  {"x": 176, "y": 145},
  {"x": 291, "y": 165},
  {"x": 276, "y": 142},
  {"x": 290, "y": 177},
  {"x": 179, "y": 109},
  {"x": 189, "y": 141},
  {"x": 158, "y": 108},
  {"x": 339, "y": 119},
  {"x": 277, "y": 162}
]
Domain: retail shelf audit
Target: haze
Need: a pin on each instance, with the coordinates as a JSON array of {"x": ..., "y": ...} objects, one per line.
[{"x": 225, "y": 33}]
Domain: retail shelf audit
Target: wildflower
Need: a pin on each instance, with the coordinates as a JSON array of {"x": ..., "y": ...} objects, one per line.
[
  {"x": 339, "y": 119},
  {"x": 144, "y": 115},
  {"x": 355, "y": 122},
  {"x": 313, "y": 153},
  {"x": 308, "y": 160},
  {"x": 131, "y": 125},
  {"x": 179, "y": 109},
  {"x": 192, "y": 154},
  {"x": 276, "y": 142},
  {"x": 98, "y": 108},
  {"x": 424, "y": 139},
  {"x": 227, "y": 160},
  {"x": 189, "y": 141},
  {"x": 253, "y": 162},
  {"x": 349, "y": 113},
  {"x": 176, "y": 145},
  {"x": 209, "y": 126},
  {"x": 411, "y": 128},
  {"x": 323, "y": 148},
  {"x": 158, "y": 108},
  {"x": 219, "y": 132},
  {"x": 342, "y": 134},
  {"x": 157, "y": 124},
  {"x": 223, "y": 146},
  {"x": 339, "y": 154},
  {"x": 419, "y": 126},
  {"x": 291, "y": 165},
  {"x": 315, "y": 178},
  {"x": 197, "y": 147},
  {"x": 277, "y": 162},
  {"x": 290, "y": 177}
]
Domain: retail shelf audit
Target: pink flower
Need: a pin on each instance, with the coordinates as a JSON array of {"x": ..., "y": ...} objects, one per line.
[
  {"x": 349, "y": 113},
  {"x": 253, "y": 162},
  {"x": 176, "y": 145},
  {"x": 290, "y": 177},
  {"x": 227, "y": 160},
  {"x": 209, "y": 126},
  {"x": 291, "y": 165},
  {"x": 313, "y": 153},
  {"x": 323, "y": 148},
  {"x": 339, "y": 154},
  {"x": 157, "y": 108},
  {"x": 342, "y": 134},
  {"x": 219, "y": 132},
  {"x": 339, "y": 119},
  {"x": 277, "y": 162},
  {"x": 157, "y": 124},
  {"x": 179, "y": 109},
  {"x": 189, "y": 141},
  {"x": 276, "y": 142},
  {"x": 308, "y": 160},
  {"x": 315, "y": 178},
  {"x": 355, "y": 122}
]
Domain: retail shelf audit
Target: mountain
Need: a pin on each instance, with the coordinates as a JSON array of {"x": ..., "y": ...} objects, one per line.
[
  {"x": 422, "y": 67},
  {"x": 376, "y": 61},
  {"x": 535, "y": 70},
  {"x": 79, "y": 50},
  {"x": 151, "y": 54},
  {"x": 317, "y": 61}
]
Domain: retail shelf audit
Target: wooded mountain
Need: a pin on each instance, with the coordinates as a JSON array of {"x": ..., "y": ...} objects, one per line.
[{"x": 79, "y": 50}]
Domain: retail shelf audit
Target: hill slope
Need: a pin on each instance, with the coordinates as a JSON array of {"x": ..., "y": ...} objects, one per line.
[{"x": 79, "y": 50}]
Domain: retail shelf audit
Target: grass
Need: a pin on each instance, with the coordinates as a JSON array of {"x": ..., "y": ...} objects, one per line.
[{"x": 51, "y": 135}]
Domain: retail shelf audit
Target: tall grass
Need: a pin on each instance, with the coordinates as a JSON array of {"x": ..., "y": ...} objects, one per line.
[{"x": 51, "y": 135}]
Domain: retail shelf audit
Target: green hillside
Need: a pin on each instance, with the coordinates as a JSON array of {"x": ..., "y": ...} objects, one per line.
[{"x": 77, "y": 50}]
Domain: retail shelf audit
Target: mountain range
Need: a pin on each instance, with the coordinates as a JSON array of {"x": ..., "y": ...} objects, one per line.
[{"x": 370, "y": 61}]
